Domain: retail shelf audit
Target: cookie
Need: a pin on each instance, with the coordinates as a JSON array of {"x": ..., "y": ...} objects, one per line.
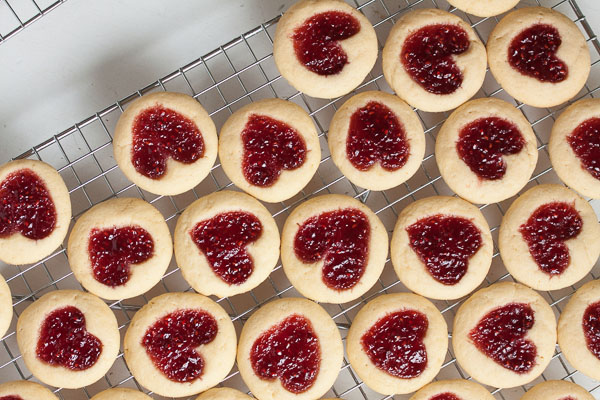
[
  {"x": 6, "y": 307},
  {"x": 324, "y": 48},
  {"x": 226, "y": 243},
  {"x": 333, "y": 248},
  {"x": 223, "y": 393},
  {"x": 454, "y": 389},
  {"x": 549, "y": 238},
  {"x": 484, "y": 8},
  {"x": 68, "y": 338},
  {"x": 205, "y": 338},
  {"x": 504, "y": 335},
  {"x": 120, "y": 248},
  {"x": 538, "y": 56},
  {"x": 270, "y": 149},
  {"x": 557, "y": 390},
  {"x": 166, "y": 143},
  {"x": 376, "y": 140},
  {"x": 25, "y": 390},
  {"x": 290, "y": 348},
  {"x": 36, "y": 211},
  {"x": 486, "y": 151},
  {"x": 433, "y": 60},
  {"x": 441, "y": 247},
  {"x": 121, "y": 394}
]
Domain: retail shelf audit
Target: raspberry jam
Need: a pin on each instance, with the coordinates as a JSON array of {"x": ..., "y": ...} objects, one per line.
[
  {"x": 395, "y": 343},
  {"x": 11, "y": 398},
  {"x": 545, "y": 232},
  {"x": 444, "y": 244},
  {"x": 65, "y": 341},
  {"x": 427, "y": 57},
  {"x": 113, "y": 250},
  {"x": 172, "y": 342},
  {"x": 376, "y": 134},
  {"x": 269, "y": 147},
  {"x": 160, "y": 133},
  {"x": 341, "y": 239},
  {"x": 533, "y": 53},
  {"x": 591, "y": 328},
  {"x": 26, "y": 206},
  {"x": 445, "y": 396},
  {"x": 585, "y": 142},
  {"x": 223, "y": 240},
  {"x": 289, "y": 351},
  {"x": 482, "y": 143},
  {"x": 316, "y": 41},
  {"x": 500, "y": 335}
]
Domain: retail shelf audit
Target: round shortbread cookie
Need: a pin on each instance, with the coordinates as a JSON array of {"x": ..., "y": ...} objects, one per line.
[
  {"x": 25, "y": 390},
  {"x": 459, "y": 388},
  {"x": 223, "y": 393},
  {"x": 484, "y": 8},
  {"x": 557, "y": 390},
  {"x": 121, "y": 394},
  {"x": 6, "y": 307}
]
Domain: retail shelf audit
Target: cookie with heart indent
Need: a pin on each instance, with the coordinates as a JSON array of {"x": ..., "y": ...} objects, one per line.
[
  {"x": 121, "y": 394},
  {"x": 557, "y": 390},
  {"x": 453, "y": 389},
  {"x": 25, "y": 390}
]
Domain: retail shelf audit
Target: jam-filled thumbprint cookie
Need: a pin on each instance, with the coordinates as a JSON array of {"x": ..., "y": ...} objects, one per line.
[
  {"x": 166, "y": 143},
  {"x": 484, "y": 8},
  {"x": 434, "y": 60},
  {"x": 549, "y": 238},
  {"x": 35, "y": 211},
  {"x": 538, "y": 56},
  {"x": 557, "y": 390},
  {"x": 223, "y": 393},
  {"x": 324, "y": 48},
  {"x": 6, "y": 307},
  {"x": 68, "y": 338},
  {"x": 454, "y": 389},
  {"x": 290, "y": 349},
  {"x": 120, "y": 394},
  {"x": 25, "y": 390}
]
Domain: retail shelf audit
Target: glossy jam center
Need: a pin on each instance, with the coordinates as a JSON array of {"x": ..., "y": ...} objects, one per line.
[
  {"x": 482, "y": 143},
  {"x": 591, "y": 328},
  {"x": 172, "y": 343},
  {"x": 545, "y": 232},
  {"x": 445, "y": 396},
  {"x": 341, "y": 239},
  {"x": 64, "y": 340},
  {"x": 223, "y": 240},
  {"x": 160, "y": 133},
  {"x": 585, "y": 142},
  {"x": 533, "y": 53},
  {"x": 289, "y": 351},
  {"x": 316, "y": 41},
  {"x": 11, "y": 398},
  {"x": 501, "y": 336},
  {"x": 26, "y": 206}
]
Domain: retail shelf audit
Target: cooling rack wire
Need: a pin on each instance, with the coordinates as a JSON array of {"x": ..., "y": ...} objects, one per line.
[{"x": 16, "y": 15}]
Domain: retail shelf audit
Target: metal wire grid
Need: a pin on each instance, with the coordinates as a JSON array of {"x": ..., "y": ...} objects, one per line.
[
  {"x": 16, "y": 15},
  {"x": 224, "y": 80}
]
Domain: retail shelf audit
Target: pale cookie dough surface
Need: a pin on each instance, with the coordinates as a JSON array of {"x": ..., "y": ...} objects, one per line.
[
  {"x": 476, "y": 363},
  {"x": 99, "y": 321},
  {"x": 557, "y": 390},
  {"x": 484, "y": 8},
  {"x": 231, "y": 149},
  {"x": 457, "y": 174},
  {"x": 17, "y": 249},
  {"x": 121, "y": 394},
  {"x": 573, "y": 51},
  {"x": 6, "y": 307},
  {"x": 194, "y": 265},
  {"x": 583, "y": 248},
  {"x": 26, "y": 390},
  {"x": 178, "y": 177},
  {"x": 410, "y": 268},
  {"x": 461, "y": 388},
  {"x": 361, "y": 50},
  {"x": 223, "y": 393},
  {"x": 308, "y": 278}
]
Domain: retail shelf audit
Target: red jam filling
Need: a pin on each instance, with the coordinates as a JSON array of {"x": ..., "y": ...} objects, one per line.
[
  {"x": 500, "y": 335},
  {"x": 172, "y": 342},
  {"x": 395, "y": 343},
  {"x": 533, "y": 53},
  {"x": 316, "y": 41},
  {"x": 65, "y": 341},
  {"x": 160, "y": 133},
  {"x": 269, "y": 147},
  {"x": 26, "y": 206},
  {"x": 585, "y": 142},
  {"x": 545, "y": 232},
  {"x": 445, "y": 396},
  {"x": 113, "y": 251},
  {"x": 289, "y": 351},
  {"x": 591, "y": 328},
  {"x": 482, "y": 143},
  {"x": 223, "y": 240},
  {"x": 341, "y": 239},
  {"x": 427, "y": 57},
  {"x": 11, "y": 398}
]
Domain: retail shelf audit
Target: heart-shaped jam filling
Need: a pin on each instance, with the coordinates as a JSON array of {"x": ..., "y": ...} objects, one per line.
[
  {"x": 172, "y": 343},
  {"x": 482, "y": 143},
  {"x": 500, "y": 335},
  {"x": 26, "y": 206},
  {"x": 11, "y": 398},
  {"x": 65, "y": 341},
  {"x": 427, "y": 57},
  {"x": 316, "y": 41},
  {"x": 591, "y": 328},
  {"x": 445, "y": 396},
  {"x": 545, "y": 232},
  {"x": 533, "y": 53},
  {"x": 585, "y": 142},
  {"x": 223, "y": 240},
  {"x": 113, "y": 250},
  {"x": 270, "y": 146},
  {"x": 289, "y": 351},
  {"x": 160, "y": 133},
  {"x": 341, "y": 239}
]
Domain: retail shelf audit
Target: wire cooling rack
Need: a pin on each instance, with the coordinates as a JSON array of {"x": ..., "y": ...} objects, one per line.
[
  {"x": 224, "y": 80},
  {"x": 16, "y": 15}
]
